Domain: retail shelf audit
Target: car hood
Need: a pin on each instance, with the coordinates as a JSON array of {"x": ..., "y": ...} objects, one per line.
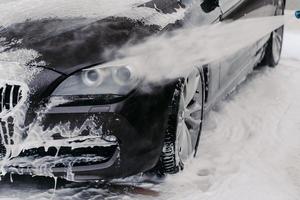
[
  {"x": 67, "y": 35},
  {"x": 67, "y": 45}
]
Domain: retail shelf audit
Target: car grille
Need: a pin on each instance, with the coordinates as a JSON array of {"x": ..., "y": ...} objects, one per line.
[
  {"x": 7, "y": 131},
  {"x": 2, "y": 149},
  {"x": 10, "y": 95}
]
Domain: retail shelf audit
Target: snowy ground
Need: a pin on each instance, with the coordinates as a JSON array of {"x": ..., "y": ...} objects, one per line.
[{"x": 250, "y": 148}]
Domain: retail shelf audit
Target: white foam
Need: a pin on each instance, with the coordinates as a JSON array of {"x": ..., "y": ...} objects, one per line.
[{"x": 174, "y": 55}]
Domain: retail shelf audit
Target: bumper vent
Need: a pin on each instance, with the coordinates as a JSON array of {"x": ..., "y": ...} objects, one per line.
[{"x": 10, "y": 95}]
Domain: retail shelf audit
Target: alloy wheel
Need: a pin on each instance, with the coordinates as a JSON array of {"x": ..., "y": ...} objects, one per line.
[{"x": 189, "y": 117}]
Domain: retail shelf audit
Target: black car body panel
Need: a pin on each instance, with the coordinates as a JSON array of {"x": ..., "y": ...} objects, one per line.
[{"x": 138, "y": 119}]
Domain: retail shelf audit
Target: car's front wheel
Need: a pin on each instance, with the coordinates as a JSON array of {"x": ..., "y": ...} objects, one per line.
[{"x": 184, "y": 124}]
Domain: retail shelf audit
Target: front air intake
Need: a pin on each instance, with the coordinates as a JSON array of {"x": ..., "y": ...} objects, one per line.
[{"x": 10, "y": 95}]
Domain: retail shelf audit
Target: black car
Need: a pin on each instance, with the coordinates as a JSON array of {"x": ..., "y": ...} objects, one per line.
[{"x": 62, "y": 115}]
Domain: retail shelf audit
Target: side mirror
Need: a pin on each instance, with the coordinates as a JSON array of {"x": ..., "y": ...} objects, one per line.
[{"x": 209, "y": 5}]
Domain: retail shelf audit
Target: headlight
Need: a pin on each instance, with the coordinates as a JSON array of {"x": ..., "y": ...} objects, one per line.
[{"x": 104, "y": 80}]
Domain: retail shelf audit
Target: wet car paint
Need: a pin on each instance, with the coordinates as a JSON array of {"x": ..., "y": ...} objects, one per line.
[{"x": 151, "y": 119}]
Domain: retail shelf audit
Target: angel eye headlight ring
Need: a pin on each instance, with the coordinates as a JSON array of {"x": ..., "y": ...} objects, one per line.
[
  {"x": 123, "y": 75},
  {"x": 93, "y": 77}
]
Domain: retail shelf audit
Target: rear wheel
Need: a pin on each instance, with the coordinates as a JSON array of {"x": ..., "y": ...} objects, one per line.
[
  {"x": 184, "y": 124},
  {"x": 274, "y": 46}
]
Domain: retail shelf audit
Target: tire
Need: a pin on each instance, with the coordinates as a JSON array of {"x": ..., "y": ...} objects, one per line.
[
  {"x": 184, "y": 124},
  {"x": 274, "y": 45}
]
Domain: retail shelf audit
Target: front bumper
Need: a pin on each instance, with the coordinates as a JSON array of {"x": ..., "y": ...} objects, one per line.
[{"x": 137, "y": 121}]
